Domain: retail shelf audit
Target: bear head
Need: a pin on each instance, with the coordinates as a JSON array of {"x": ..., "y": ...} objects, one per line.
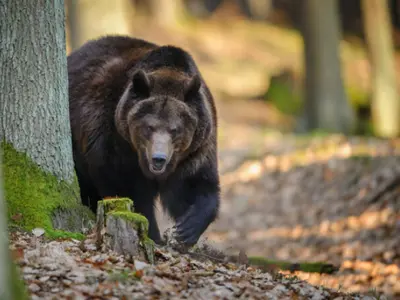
[{"x": 158, "y": 116}]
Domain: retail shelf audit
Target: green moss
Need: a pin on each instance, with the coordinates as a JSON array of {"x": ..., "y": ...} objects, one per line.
[
  {"x": 148, "y": 246},
  {"x": 60, "y": 234},
  {"x": 138, "y": 221},
  {"x": 314, "y": 267},
  {"x": 117, "y": 204},
  {"x": 33, "y": 195}
]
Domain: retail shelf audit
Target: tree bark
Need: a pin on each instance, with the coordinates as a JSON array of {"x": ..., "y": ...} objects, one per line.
[
  {"x": 33, "y": 84},
  {"x": 35, "y": 135},
  {"x": 90, "y": 19},
  {"x": 326, "y": 105},
  {"x": 385, "y": 99}
]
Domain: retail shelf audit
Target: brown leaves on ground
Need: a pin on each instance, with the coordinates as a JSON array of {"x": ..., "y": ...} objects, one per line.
[
  {"x": 60, "y": 269},
  {"x": 336, "y": 200}
]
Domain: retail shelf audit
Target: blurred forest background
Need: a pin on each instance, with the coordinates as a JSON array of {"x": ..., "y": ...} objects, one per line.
[
  {"x": 305, "y": 91},
  {"x": 288, "y": 65}
]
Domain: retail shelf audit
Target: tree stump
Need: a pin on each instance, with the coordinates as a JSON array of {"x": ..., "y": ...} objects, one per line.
[{"x": 122, "y": 230}]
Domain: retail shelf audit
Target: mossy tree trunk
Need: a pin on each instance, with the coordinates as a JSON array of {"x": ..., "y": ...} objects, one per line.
[
  {"x": 35, "y": 133},
  {"x": 385, "y": 100},
  {"x": 326, "y": 105},
  {"x": 90, "y": 19}
]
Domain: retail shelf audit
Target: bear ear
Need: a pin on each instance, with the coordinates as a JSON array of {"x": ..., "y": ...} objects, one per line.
[
  {"x": 141, "y": 84},
  {"x": 192, "y": 87}
]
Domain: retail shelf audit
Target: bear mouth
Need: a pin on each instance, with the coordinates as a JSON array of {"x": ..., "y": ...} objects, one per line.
[{"x": 156, "y": 170}]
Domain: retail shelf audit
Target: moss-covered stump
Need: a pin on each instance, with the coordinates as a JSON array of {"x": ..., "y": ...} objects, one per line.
[
  {"x": 122, "y": 230},
  {"x": 112, "y": 204},
  {"x": 36, "y": 198}
]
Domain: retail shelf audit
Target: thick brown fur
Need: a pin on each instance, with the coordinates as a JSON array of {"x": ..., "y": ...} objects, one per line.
[{"x": 128, "y": 99}]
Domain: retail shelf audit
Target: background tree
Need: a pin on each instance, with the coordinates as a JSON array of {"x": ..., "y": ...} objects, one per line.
[
  {"x": 326, "y": 105},
  {"x": 90, "y": 19},
  {"x": 385, "y": 96},
  {"x": 166, "y": 12},
  {"x": 35, "y": 132}
]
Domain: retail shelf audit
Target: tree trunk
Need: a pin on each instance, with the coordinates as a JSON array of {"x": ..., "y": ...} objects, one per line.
[
  {"x": 326, "y": 105},
  {"x": 90, "y": 19},
  {"x": 385, "y": 100},
  {"x": 166, "y": 12},
  {"x": 35, "y": 134},
  {"x": 33, "y": 84}
]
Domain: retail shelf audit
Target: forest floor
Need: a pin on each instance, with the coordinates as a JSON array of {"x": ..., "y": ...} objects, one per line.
[{"x": 332, "y": 199}]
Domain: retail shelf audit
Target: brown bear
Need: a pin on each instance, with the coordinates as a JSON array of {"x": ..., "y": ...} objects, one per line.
[{"x": 144, "y": 124}]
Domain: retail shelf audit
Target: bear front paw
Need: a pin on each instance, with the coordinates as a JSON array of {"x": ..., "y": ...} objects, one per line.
[{"x": 191, "y": 226}]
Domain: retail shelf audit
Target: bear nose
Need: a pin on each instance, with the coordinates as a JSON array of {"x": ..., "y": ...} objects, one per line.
[{"x": 159, "y": 160}]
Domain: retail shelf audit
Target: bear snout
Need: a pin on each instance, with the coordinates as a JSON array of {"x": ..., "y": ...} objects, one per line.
[
  {"x": 158, "y": 162},
  {"x": 160, "y": 153}
]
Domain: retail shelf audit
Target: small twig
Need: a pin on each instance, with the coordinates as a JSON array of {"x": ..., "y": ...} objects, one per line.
[
  {"x": 167, "y": 275},
  {"x": 201, "y": 273}
]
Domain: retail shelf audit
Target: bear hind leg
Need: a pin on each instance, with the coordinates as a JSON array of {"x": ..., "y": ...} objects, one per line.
[{"x": 88, "y": 193}]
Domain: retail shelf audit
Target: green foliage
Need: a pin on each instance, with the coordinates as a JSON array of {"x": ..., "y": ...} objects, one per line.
[
  {"x": 357, "y": 96},
  {"x": 284, "y": 98},
  {"x": 33, "y": 195},
  {"x": 290, "y": 102}
]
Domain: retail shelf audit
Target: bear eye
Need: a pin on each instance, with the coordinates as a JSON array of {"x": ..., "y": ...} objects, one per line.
[
  {"x": 149, "y": 129},
  {"x": 173, "y": 130}
]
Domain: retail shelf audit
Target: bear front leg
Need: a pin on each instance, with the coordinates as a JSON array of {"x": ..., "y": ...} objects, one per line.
[
  {"x": 194, "y": 204},
  {"x": 197, "y": 218}
]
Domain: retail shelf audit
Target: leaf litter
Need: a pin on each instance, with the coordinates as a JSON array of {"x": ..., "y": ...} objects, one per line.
[
  {"x": 337, "y": 200},
  {"x": 61, "y": 269}
]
